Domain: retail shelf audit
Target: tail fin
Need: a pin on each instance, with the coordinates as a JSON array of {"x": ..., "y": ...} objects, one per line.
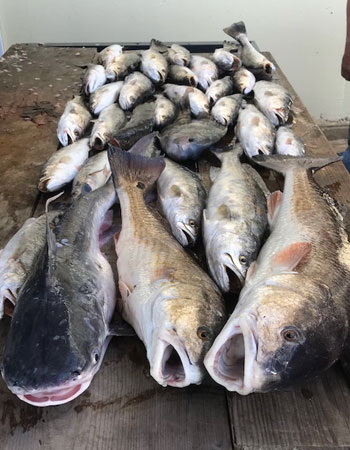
[
  {"x": 231, "y": 152},
  {"x": 284, "y": 163},
  {"x": 134, "y": 170},
  {"x": 148, "y": 145},
  {"x": 235, "y": 29}
]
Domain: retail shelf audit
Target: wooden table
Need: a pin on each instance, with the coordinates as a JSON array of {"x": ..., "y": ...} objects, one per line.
[{"x": 124, "y": 408}]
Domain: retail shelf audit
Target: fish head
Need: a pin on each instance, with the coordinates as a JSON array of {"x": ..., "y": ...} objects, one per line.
[
  {"x": 182, "y": 147},
  {"x": 68, "y": 133},
  {"x": 278, "y": 337}
]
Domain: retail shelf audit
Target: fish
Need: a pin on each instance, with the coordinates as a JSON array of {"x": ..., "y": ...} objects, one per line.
[
  {"x": 220, "y": 88},
  {"x": 136, "y": 88},
  {"x": 176, "y": 316},
  {"x": 110, "y": 120},
  {"x": 109, "y": 54},
  {"x": 226, "y": 61},
  {"x": 254, "y": 131},
  {"x": 182, "y": 198},
  {"x": 154, "y": 65},
  {"x": 141, "y": 123},
  {"x": 288, "y": 144},
  {"x": 63, "y": 166},
  {"x": 94, "y": 174},
  {"x": 243, "y": 80},
  {"x": 18, "y": 256},
  {"x": 177, "y": 94},
  {"x": 73, "y": 122},
  {"x": 273, "y": 100},
  {"x": 198, "y": 103},
  {"x": 235, "y": 219},
  {"x": 233, "y": 47},
  {"x": 123, "y": 65},
  {"x": 179, "y": 55},
  {"x": 290, "y": 322},
  {"x": 183, "y": 140},
  {"x": 105, "y": 96},
  {"x": 182, "y": 75},
  {"x": 205, "y": 70},
  {"x": 60, "y": 326},
  {"x": 148, "y": 146},
  {"x": 225, "y": 110},
  {"x": 94, "y": 78},
  {"x": 251, "y": 58},
  {"x": 165, "y": 111}
]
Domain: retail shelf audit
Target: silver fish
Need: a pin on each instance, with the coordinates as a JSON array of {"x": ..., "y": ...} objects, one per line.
[
  {"x": 288, "y": 144},
  {"x": 220, "y": 88},
  {"x": 154, "y": 65},
  {"x": 225, "y": 110},
  {"x": 110, "y": 120},
  {"x": 123, "y": 65},
  {"x": 176, "y": 315},
  {"x": 182, "y": 199},
  {"x": 205, "y": 70},
  {"x": 105, "y": 96},
  {"x": 198, "y": 103},
  {"x": 177, "y": 94},
  {"x": 254, "y": 131},
  {"x": 94, "y": 78},
  {"x": 165, "y": 111},
  {"x": 234, "y": 220},
  {"x": 273, "y": 100},
  {"x": 135, "y": 89},
  {"x": 109, "y": 54},
  {"x": 179, "y": 55},
  {"x": 94, "y": 174},
  {"x": 226, "y": 61},
  {"x": 73, "y": 122},
  {"x": 182, "y": 75},
  {"x": 243, "y": 80}
]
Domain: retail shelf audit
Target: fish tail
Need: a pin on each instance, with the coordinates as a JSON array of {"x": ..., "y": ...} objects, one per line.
[
  {"x": 130, "y": 169},
  {"x": 285, "y": 163},
  {"x": 236, "y": 29},
  {"x": 233, "y": 152}
]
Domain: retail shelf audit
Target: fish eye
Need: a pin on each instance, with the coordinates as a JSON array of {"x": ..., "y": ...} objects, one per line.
[
  {"x": 96, "y": 357},
  {"x": 243, "y": 259},
  {"x": 140, "y": 185},
  {"x": 76, "y": 132},
  {"x": 192, "y": 223},
  {"x": 204, "y": 333},
  {"x": 290, "y": 334}
]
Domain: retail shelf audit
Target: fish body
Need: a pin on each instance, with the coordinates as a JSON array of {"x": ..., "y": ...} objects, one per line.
[
  {"x": 123, "y": 65},
  {"x": 94, "y": 78},
  {"x": 60, "y": 327},
  {"x": 94, "y": 174},
  {"x": 182, "y": 199},
  {"x": 174, "y": 314},
  {"x": 235, "y": 219},
  {"x": 225, "y": 110},
  {"x": 290, "y": 322},
  {"x": 177, "y": 94},
  {"x": 73, "y": 122},
  {"x": 63, "y": 166},
  {"x": 288, "y": 144},
  {"x": 110, "y": 120},
  {"x": 243, "y": 80},
  {"x": 135, "y": 89},
  {"x": 273, "y": 100},
  {"x": 198, "y": 103},
  {"x": 165, "y": 111},
  {"x": 182, "y": 75},
  {"x": 220, "y": 88},
  {"x": 179, "y": 55},
  {"x": 226, "y": 61},
  {"x": 105, "y": 96},
  {"x": 205, "y": 70},
  {"x": 254, "y": 131},
  {"x": 154, "y": 65},
  {"x": 109, "y": 54}
]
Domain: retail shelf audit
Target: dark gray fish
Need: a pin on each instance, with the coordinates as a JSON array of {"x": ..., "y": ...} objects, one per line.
[{"x": 148, "y": 146}]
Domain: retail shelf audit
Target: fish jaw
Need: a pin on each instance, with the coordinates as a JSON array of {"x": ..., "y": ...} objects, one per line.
[
  {"x": 185, "y": 234},
  {"x": 218, "y": 268},
  {"x": 231, "y": 360}
]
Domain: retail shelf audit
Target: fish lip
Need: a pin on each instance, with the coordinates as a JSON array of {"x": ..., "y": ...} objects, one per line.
[
  {"x": 243, "y": 382},
  {"x": 187, "y": 234},
  {"x": 228, "y": 262}
]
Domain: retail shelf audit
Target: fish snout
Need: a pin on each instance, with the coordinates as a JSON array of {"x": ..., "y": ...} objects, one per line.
[{"x": 186, "y": 232}]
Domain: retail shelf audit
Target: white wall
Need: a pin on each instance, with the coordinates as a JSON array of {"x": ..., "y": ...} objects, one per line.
[{"x": 306, "y": 36}]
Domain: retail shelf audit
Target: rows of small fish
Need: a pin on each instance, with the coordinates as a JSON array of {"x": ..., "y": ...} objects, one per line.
[{"x": 142, "y": 105}]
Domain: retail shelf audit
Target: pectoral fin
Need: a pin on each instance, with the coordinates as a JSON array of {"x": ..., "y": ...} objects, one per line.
[{"x": 290, "y": 257}]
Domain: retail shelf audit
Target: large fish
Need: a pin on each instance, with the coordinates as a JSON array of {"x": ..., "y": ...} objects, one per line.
[
  {"x": 154, "y": 65},
  {"x": 165, "y": 111},
  {"x": 105, "y": 96},
  {"x": 182, "y": 198},
  {"x": 94, "y": 78},
  {"x": 273, "y": 100},
  {"x": 135, "y": 89},
  {"x": 225, "y": 110},
  {"x": 60, "y": 327},
  {"x": 290, "y": 322},
  {"x": 111, "y": 119},
  {"x": 220, "y": 88},
  {"x": 243, "y": 80},
  {"x": 175, "y": 308},
  {"x": 73, "y": 122},
  {"x": 235, "y": 220}
]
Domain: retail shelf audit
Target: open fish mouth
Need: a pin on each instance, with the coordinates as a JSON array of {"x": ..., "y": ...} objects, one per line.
[
  {"x": 99, "y": 142},
  {"x": 188, "y": 236},
  {"x": 231, "y": 360},
  {"x": 227, "y": 275}
]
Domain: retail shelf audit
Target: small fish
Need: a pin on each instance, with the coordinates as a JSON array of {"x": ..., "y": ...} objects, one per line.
[
  {"x": 182, "y": 75},
  {"x": 290, "y": 322},
  {"x": 179, "y": 55},
  {"x": 205, "y": 70},
  {"x": 108, "y": 55},
  {"x": 225, "y": 110},
  {"x": 123, "y": 65},
  {"x": 105, "y": 96},
  {"x": 182, "y": 199},
  {"x": 63, "y": 166},
  {"x": 135, "y": 89},
  {"x": 177, "y": 94},
  {"x": 110, "y": 120},
  {"x": 198, "y": 103},
  {"x": 254, "y": 131},
  {"x": 288, "y": 144},
  {"x": 94, "y": 78},
  {"x": 60, "y": 327},
  {"x": 220, "y": 88},
  {"x": 251, "y": 58},
  {"x": 94, "y": 174},
  {"x": 154, "y": 65},
  {"x": 273, "y": 100},
  {"x": 175, "y": 308},
  {"x": 226, "y": 61},
  {"x": 234, "y": 220},
  {"x": 165, "y": 111},
  {"x": 243, "y": 80},
  {"x": 73, "y": 122}
]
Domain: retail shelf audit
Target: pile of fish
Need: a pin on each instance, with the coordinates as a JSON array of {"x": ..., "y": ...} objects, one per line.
[{"x": 144, "y": 117}]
